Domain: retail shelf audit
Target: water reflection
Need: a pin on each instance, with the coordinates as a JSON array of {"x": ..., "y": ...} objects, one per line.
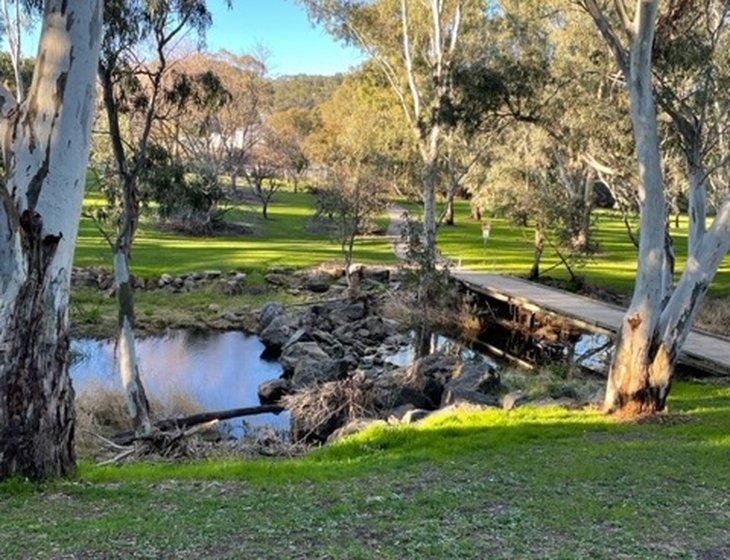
[{"x": 216, "y": 371}]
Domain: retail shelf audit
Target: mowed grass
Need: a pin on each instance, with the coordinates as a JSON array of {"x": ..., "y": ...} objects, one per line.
[
  {"x": 282, "y": 241},
  {"x": 510, "y": 250},
  {"x": 530, "y": 483}
]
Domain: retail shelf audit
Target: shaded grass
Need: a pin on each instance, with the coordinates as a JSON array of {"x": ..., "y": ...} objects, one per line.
[{"x": 545, "y": 483}]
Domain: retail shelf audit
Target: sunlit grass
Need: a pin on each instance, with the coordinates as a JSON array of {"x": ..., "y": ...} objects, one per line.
[
  {"x": 532, "y": 482},
  {"x": 283, "y": 240},
  {"x": 509, "y": 250}
]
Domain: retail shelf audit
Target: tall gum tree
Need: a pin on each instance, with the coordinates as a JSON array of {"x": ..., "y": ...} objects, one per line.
[
  {"x": 660, "y": 315},
  {"x": 45, "y": 150},
  {"x": 415, "y": 44},
  {"x": 133, "y": 91}
]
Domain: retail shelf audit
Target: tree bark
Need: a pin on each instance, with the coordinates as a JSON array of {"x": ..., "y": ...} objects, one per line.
[
  {"x": 539, "y": 247},
  {"x": 137, "y": 402},
  {"x": 45, "y": 148}
]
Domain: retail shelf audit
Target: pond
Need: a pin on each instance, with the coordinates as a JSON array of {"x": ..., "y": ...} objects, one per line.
[{"x": 214, "y": 370}]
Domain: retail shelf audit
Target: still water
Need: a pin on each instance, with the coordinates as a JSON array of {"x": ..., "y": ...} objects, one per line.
[{"x": 214, "y": 370}]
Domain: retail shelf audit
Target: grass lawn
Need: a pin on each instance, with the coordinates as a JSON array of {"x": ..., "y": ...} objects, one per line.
[
  {"x": 510, "y": 250},
  {"x": 283, "y": 240},
  {"x": 547, "y": 483}
]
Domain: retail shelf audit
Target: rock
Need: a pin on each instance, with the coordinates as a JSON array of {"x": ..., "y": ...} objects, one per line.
[
  {"x": 268, "y": 312},
  {"x": 189, "y": 284},
  {"x": 271, "y": 391},
  {"x": 282, "y": 280},
  {"x": 348, "y": 312},
  {"x": 239, "y": 277},
  {"x": 513, "y": 400},
  {"x": 230, "y": 287},
  {"x": 353, "y": 427},
  {"x": 214, "y": 307},
  {"x": 459, "y": 396},
  {"x": 212, "y": 274},
  {"x": 565, "y": 402},
  {"x": 474, "y": 375},
  {"x": 396, "y": 414},
  {"x": 309, "y": 371},
  {"x": 294, "y": 353},
  {"x": 377, "y": 274},
  {"x": 164, "y": 280},
  {"x": 415, "y": 415},
  {"x": 317, "y": 284},
  {"x": 278, "y": 331}
]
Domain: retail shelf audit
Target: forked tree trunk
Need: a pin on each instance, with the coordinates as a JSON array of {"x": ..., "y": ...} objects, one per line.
[
  {"x": 660, "y": 315},
  {"x": 137, "y": 402},
  {"x": 45, "y": 149}
]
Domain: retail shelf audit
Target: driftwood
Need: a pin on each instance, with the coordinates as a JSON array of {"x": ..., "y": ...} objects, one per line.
[{"x": 126, "y": 438}]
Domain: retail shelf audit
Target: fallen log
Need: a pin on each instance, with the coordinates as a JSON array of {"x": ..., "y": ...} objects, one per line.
[{"x": 125, "y": 438}]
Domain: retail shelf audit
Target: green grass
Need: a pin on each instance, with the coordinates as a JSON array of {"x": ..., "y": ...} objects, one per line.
[
  {"x": 283, "y": 240},
  {"x": 509, "y": 250},
  {"x": 530, "y": 483}
]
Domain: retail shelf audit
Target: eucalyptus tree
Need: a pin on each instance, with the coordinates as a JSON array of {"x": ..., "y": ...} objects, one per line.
[
  {"x": 14, "y": 15},
  {"x": 671, "y": 57},
  {"x": 415, "y": 44},
  {"x": 45, "y": 152},
  {"x": 134, "y": 72}
]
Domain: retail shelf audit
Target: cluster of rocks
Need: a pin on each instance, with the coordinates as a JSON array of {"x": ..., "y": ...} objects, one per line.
[
  {"x": 318, "y": 281},
  {"x": 348, "y": 340},
  {"x": 332, "y": 280},
  {"x": 99, "y": 277}
]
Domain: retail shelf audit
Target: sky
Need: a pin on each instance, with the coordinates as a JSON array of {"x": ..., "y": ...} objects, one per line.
[{"x": 282, "y": 27}]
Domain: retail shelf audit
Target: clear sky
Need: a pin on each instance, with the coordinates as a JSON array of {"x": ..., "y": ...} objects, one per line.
[{"x": 282, "y": 26}]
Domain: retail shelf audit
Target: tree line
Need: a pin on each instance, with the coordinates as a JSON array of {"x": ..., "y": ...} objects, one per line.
[{"x": 532, "y": 109}]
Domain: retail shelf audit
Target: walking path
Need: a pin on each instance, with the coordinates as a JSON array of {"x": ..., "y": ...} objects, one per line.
[{"x": 702, "y": 350}]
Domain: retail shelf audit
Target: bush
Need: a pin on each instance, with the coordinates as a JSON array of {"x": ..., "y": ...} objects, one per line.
[{"x": 187, "y": 199}]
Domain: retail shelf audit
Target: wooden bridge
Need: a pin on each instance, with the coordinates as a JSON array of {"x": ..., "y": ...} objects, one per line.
[{"x": 702, "y": 351}]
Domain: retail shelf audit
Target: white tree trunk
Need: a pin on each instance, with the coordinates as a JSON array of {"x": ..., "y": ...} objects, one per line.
[
  {"x": 46, "y": 147},
  {"x": 660, "y": 315},
  {"x": 128, "y": 366}
]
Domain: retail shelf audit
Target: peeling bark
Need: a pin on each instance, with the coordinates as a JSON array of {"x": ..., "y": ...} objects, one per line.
[
  {"x": 659, "y": 318},
  {"x": 45, "y": 148}
]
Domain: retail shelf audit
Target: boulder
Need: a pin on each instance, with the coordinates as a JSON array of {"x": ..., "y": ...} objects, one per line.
[
  {"x": 465, "y": 396},
  {"x": 353, "y": 427},
  {"x": 212, "y": 274},
  {"x": 294, "y": 353},
  {"x": 513, "y": 400},
  {"x": 268, "y": 312},
  {"x": 475, "y": 375},
  {"x": 396, "y": 414},
  {"x": 415, "y": 415},
  {"x": 317, "y": 283},
  {"x": 271, "y": 391},
  {"x": 347, "y": 312},
  {"x": 278, "y": 331},
  {"x": 310, "y": 371},
  {"x": 282, "y": 280},
  {"x": 164, "y": 280}
]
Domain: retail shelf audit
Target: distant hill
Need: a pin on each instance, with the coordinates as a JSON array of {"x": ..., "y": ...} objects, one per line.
[{"x": 303, "y": 90}]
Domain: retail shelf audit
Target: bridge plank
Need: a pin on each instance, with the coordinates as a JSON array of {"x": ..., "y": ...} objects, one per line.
[{"x": 707, "y": 352}]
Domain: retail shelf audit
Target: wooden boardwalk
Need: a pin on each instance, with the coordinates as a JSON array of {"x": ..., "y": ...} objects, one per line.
[{"x": 703, "y": 351}]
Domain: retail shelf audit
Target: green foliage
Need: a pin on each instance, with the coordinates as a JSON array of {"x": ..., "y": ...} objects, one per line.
[
  {"x": 302, "y": 91},
  {"x": 188, "y": 200}
]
